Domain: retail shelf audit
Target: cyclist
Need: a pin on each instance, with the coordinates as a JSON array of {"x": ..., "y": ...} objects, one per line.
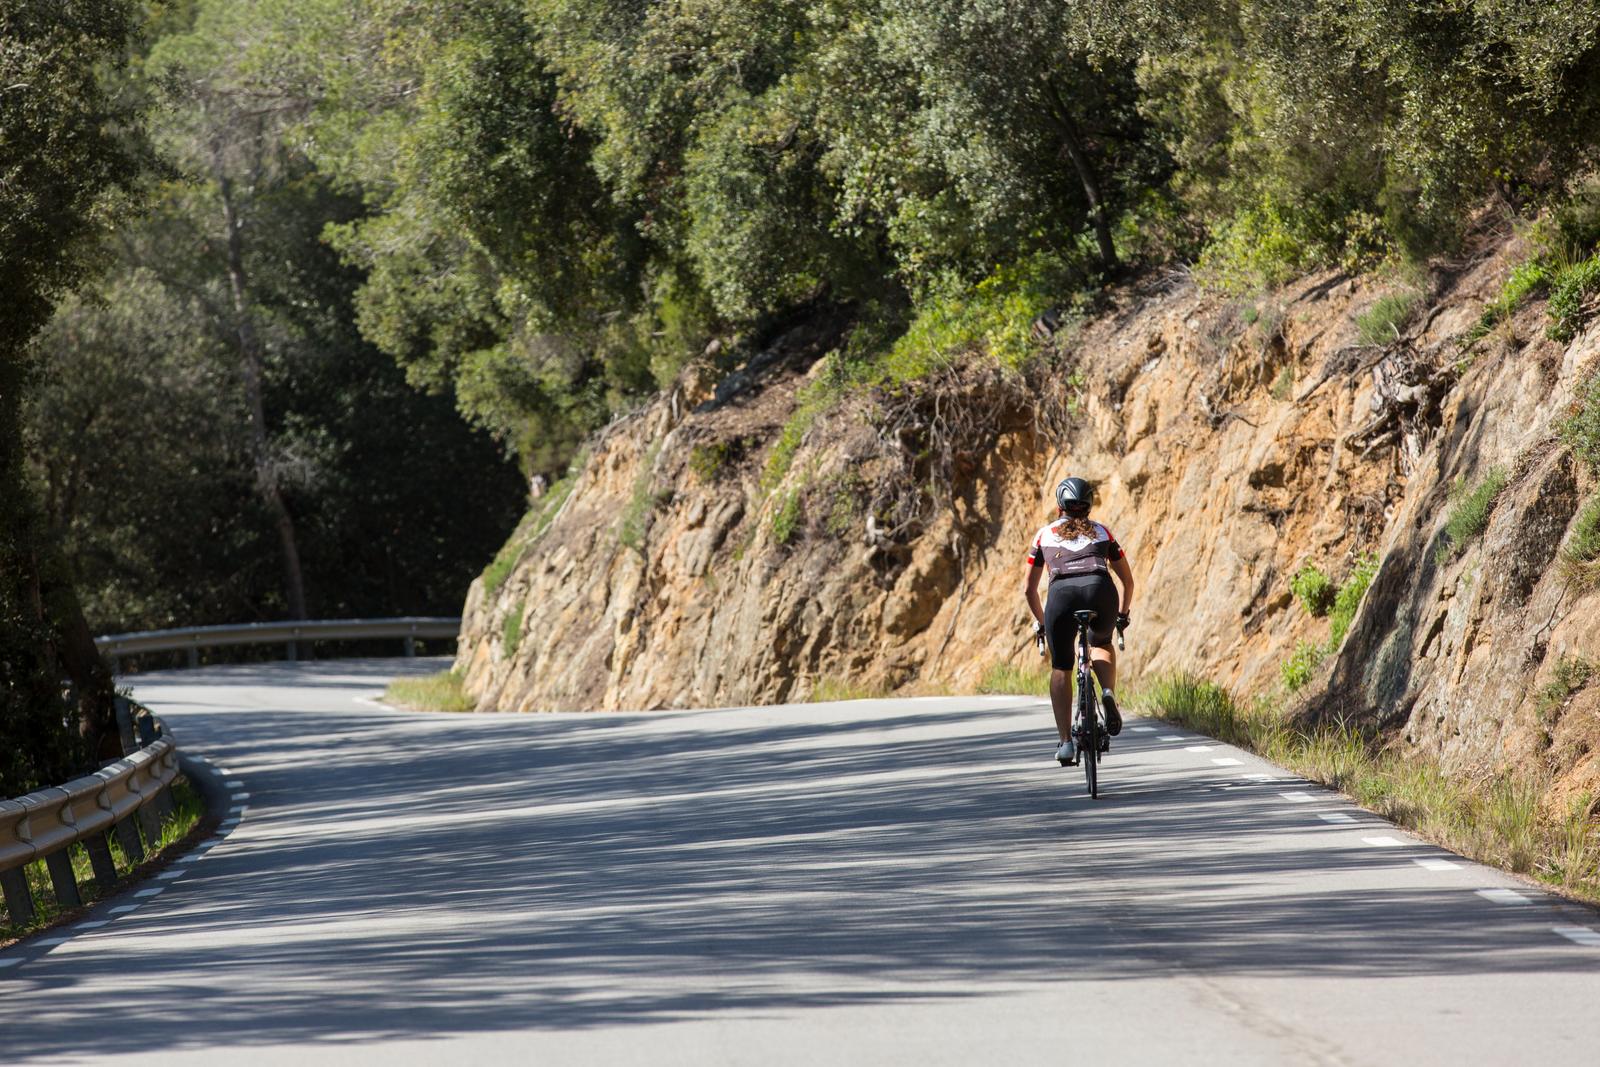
[{"x": 1081, "y": 556}]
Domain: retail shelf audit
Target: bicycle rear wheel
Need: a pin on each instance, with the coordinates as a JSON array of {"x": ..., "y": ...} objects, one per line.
[{"x": 1089, "y": 749}]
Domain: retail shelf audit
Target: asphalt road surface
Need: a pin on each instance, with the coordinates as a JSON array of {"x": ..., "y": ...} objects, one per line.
[{"x": 887, "y": 881}]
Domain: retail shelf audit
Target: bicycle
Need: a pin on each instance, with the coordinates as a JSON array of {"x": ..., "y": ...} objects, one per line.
[{"x": 1088, "y": 731}]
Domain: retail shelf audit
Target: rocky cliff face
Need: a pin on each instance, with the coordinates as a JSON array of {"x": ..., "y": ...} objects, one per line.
[{"x": 1231, "y": 444}]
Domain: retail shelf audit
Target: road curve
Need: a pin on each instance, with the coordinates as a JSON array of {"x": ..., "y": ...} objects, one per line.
[{"x": 871, "y": 882}]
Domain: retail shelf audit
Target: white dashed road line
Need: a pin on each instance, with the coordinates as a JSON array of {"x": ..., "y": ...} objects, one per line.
[
  {"x": 1299, "y": 798},
  {"x": 93, "y": 924},
  {"x": 1200, "y": 748},
  {"x": 1383, "y": 842},
  {"x": 1335, "y": 816},
  {"x": 1581, "y": 935},
  {"x": 124, "y": 909},
  {"x": 150, "y": 892},
  {"x": 1227, "y": 761},
  {"x": 1437, "y": 864},
  {"x": 11, "y": 961},
  {"x": 1503, "y": 896}
]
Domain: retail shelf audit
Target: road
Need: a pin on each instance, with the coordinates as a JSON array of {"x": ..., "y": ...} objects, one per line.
[{"x": 887, "y": 881}]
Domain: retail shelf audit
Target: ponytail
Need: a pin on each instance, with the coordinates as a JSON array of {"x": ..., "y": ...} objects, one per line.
[{"x": 1071, "y": 526}]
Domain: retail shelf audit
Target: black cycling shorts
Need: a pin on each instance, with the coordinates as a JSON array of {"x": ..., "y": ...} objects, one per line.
[{"x": 1087, "y": 592}]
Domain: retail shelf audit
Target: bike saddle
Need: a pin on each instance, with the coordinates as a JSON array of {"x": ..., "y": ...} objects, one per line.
[{"x": 1084, "y": 616}]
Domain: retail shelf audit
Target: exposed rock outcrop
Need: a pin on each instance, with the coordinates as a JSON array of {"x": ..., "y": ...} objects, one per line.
[{"x": 1228, "y": 454}]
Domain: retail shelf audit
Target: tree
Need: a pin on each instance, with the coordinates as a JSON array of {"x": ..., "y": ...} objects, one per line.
[{"x": 60, "y": 161}]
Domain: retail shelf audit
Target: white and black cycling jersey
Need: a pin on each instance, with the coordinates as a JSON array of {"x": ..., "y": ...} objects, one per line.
[{"x": 1069, "y": 557}]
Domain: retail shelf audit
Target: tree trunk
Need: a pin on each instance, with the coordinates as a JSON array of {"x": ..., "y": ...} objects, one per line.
[
  {"x": 1072, "y": 145},
  {"x": 250, "y": 362}
]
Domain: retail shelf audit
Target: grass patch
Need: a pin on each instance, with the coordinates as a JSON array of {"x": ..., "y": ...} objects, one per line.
[
  {"x": 1570, "y": 674},
  {"x": 1469, "y": 513},
  {"x": 1580, "y": 557},
  {"x": 829, "y": 688},
  {"x": 1010, "y": 678},
  {"x": 1282, "y": 386},
  {"x": 641, "y": 504},
  {"x": 1313, "y": 589},
  {"x": 1580, "y": 430},
  {"x": 1498, "y": 822},
  {"x": 511, "y": 629},
  {"x": 188, "y": 811},
  {"x": 445, "y": 691},
  {"x": 786, "y": 519},
  {"x": 1383, "y": 321},
  {"x": 1526, "y": 280}
]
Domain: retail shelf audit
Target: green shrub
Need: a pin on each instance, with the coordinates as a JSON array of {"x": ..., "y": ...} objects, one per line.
[
  {"x": 1302, "y": 663},
  {"x": 1257, "y": 249},
  {"x": 1348, "y": 599},
  {"x": 1469, "y": 515},
  {"x": 708, "y": 461},
  {"x": 1581, "y": 429},
  {"x": 1314, "y": 589},
  {"x": 1526, "y": 280},
  {"x": 994, "y": 317},
  {"x": 511, "y": 631},
  {"x": 1382, "y": 322},
  {"x": 1571, "y": 290}
]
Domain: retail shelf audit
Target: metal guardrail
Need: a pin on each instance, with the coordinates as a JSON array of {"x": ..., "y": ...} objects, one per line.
[
  {"x": 193, "y": 638},
  {"x": 45, "y": 824}
]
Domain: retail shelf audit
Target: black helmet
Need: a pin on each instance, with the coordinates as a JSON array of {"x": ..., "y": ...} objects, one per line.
[{"x": 1074, "y": 491}]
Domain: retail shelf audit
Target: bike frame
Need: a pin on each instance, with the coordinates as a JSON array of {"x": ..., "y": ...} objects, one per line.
[{"x": 1086, "y": 725}]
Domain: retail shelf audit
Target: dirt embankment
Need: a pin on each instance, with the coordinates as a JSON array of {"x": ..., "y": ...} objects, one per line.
[{"x": 1232, "y": 443}]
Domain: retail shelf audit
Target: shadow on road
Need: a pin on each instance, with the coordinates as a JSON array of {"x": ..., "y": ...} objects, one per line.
[{"x": 429, "y": 875}]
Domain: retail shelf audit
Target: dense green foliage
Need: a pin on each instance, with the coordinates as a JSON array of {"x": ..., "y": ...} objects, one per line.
[
  {"x": 61, "y": 162},
  {"x": 571, "y": 197}
]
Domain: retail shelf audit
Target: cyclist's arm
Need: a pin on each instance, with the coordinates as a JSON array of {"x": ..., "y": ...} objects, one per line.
[
  {"x": 1030, "y": 589},
  {"x": 1124, "y": 573}
]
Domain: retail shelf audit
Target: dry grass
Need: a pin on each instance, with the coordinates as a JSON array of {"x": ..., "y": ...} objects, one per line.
[
  {"x": 444, "y": 691},
  {"x": 1496, "y": 821},
  {"x": 828, "y": 688},
  {"x": 1010, "y": 678}
]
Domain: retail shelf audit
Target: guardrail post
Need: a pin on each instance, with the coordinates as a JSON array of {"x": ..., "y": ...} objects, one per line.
[
  {"x": 105, "y": 869},
  {"x": 194, "y": 657},
  {"x": 125, "y": 723},
  {"x": 59, "y": 864},
  {"x": 19, "y": 901},
  {"x": 128, "y": 837},
  {"x": 411, "y": 646},
  {"x": 150, "y": 823}
]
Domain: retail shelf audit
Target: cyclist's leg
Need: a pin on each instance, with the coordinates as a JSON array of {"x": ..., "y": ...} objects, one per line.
[
  {"x": 1102, "y": 655},
  {"x": 1061, "y": 632}
]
